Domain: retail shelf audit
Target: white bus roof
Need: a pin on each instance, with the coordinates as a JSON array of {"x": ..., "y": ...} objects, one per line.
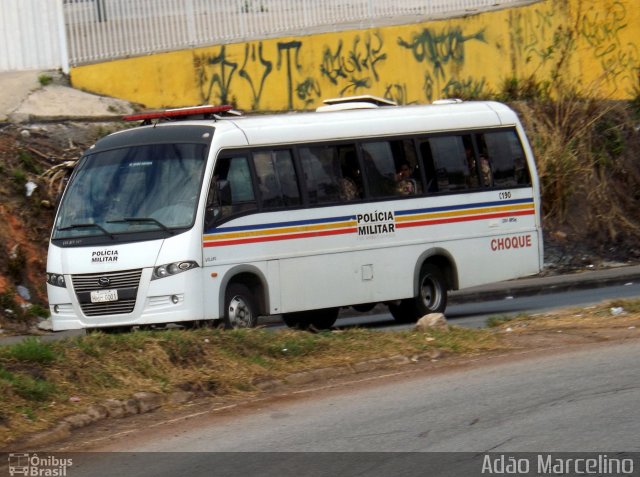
[
  {"x": 286, "y": 128},
  {"x": 385, "y": 121}
]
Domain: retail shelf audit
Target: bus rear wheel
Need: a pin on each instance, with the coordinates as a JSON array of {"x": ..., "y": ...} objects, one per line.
[
  {"x": 432, "y": 297},
  {"x": 319, "y": 319},
  {"x": 240, "y": 309}
]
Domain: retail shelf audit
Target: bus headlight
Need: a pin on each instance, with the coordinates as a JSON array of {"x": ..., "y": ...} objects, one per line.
[
  {"x": 173, "y": 269},
  {"x": 56, "y": 280}
]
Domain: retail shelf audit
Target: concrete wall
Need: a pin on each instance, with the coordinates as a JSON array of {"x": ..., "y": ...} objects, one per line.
[{"x": 590, "y": 44}]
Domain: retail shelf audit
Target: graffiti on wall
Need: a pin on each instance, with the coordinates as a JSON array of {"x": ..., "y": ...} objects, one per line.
[
  {"x": 218, "y": 83},
  {"x": 470, "y": 57},
  {"x": 356, "y": 68},
  {"x": 253, "y": 56},
  {"x": 355, "y": 63},
  {"x": 214, "y": 74},
  {"x": 543, "y": 43},
  {"x": 532, "y": 36},
  {"x": 618, "y": 60},
  {"x": 440, "y": 49},
  {"x": 346, "y": 67}
]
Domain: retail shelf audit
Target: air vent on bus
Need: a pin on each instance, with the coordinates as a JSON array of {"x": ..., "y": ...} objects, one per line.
[
  {"x": 364, "y": 101},
  {"x": 448, "y": 101}
]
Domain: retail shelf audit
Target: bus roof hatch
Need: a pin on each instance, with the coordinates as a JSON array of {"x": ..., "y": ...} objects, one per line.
[{"x": 364, "y": 101}]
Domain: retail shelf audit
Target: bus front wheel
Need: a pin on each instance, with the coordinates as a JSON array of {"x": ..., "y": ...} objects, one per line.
[
  {"x": 432, "y": 297},
  {"x": 241, "y": 310}
]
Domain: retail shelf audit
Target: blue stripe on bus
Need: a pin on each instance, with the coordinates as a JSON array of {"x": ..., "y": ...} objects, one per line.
[
  {"x": 464, "y": 206},
  {"x": 293, "y": 223}
]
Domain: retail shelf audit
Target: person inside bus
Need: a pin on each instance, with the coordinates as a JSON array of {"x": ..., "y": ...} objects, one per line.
[
  {"x": 405, "y": 183},
  {"x": 472, "y": 177},
  {"x": 485, "y": 172},
  {"x": 351, "y": 179}
]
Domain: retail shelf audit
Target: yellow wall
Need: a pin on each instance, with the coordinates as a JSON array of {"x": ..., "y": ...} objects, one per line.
[{"x": 590, "y": 44}]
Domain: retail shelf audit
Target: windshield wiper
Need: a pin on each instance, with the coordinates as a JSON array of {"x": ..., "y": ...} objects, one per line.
[
  {"x": 86, "y": 226},
  {"x": 142, "y": 220}
]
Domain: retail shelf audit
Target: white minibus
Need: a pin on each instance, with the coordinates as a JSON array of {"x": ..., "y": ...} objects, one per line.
[{"x": 201, "y": 216}]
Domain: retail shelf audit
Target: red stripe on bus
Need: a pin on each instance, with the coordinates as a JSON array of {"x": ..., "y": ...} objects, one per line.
[
  {"x": 273, "y": 238},
  {"x": 401, "y": 225}
]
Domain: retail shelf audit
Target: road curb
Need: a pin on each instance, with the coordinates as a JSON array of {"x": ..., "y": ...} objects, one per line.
[{"x": 562, "y": 284}]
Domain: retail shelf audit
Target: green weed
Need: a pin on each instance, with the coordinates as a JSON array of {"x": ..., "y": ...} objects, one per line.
[
  {"x": 19, "y": 177},
  {"x": 498, "y": 320},
  {"x": 31, "y": 350},
  {"x": 37, "y": 311},
  {"x": 33, "y": 389},
  {"x": 524, "y": 89},
  {"x": 29, "y": 163},
  {"x": 45, "y": 79}
]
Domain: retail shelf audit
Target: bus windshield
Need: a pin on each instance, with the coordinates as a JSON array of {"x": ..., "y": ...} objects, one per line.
[{"x": 132, "y": 190}]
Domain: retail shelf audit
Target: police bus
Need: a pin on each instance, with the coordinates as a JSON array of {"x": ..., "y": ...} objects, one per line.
[{"x": 199, "y": 215}]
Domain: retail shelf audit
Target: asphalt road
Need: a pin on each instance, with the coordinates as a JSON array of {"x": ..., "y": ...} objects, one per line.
[
  {"x": 476, "y": 314},
  {"x": 577, "y": 401}
]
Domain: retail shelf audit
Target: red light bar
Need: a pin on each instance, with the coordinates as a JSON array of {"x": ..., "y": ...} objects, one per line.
[{"x": 178, "y": 113}]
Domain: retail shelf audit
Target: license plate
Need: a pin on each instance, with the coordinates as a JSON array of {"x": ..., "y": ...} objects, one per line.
[{"x": 101, "y": 296}]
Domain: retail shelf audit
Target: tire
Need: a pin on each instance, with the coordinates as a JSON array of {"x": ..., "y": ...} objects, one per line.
[
  {"x": 432, "y": 297},
  {"x": 240, "y": 309},
  {"x": 364, "y": 308},
  {"x": 319, "y": 319},
  {"x": 197, "y": 324},
  {"x": 111, "y": 330},
  {"x": 402, "y": 312},
  {"x": 295, "y": 320}
]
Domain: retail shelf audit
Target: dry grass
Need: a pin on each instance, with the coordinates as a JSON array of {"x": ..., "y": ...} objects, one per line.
[
  {"x": 40, "y": 383},
  {"x": 611, "y": 315},
  {"x": 586, "y": 152}
]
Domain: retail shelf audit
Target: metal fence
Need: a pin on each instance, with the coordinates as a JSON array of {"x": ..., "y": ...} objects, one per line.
[
  {"x": 48, "y": 34},
  {"x": 99, "y": 30}
]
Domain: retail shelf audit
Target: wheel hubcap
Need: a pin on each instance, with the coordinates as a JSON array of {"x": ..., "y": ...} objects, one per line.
[
  {"x": 239, "y": 313},
  {"x": 430, "y": 293}
]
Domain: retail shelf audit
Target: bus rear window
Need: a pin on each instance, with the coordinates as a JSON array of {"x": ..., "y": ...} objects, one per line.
[{"x": 505, "y": 154}]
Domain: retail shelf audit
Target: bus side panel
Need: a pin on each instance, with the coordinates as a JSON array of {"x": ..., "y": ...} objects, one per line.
[
  {"x": 348, "y": 278},
  {"x": 387, "y": 274},
  {"x": 494, "y": 258}
]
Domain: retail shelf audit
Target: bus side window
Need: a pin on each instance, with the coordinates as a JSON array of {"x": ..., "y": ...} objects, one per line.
[
  {"x": 277, "y": 181},
  {"x": 408, "y": 177},
  {"x": 286, "y": 174},
  {"x": 507, "y": 159},
  {"x": 451, "y": 163},
  {"x": 231, "y": 189},
  {"x": 351, "y": 187},
  {"x": 379, "y": 168},
  {"x": 429, "y": 167},
  {"x": 321, "y": 170},
  {"x": 472, "y": 162},
  {"x": 485, "y": 166}
]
